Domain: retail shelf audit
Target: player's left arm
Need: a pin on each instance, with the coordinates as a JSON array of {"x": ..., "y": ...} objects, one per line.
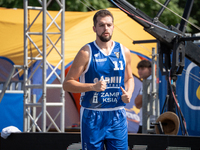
[{"x": 128, "y": 80}]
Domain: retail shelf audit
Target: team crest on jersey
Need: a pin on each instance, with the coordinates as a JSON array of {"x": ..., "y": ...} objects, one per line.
[
  {"x": 97, "y": 54},
  {"x": 117, "y": 54}
]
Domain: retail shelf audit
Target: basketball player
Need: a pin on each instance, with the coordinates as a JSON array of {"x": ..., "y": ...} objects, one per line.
[{"x": 103, "y": 67}]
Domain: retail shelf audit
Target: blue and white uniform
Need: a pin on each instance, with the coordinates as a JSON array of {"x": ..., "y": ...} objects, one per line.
[{"x": 102, "y": 113}]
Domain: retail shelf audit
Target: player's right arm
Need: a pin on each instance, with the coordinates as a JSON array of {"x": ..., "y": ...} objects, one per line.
[{"x": 79, "y": 64}]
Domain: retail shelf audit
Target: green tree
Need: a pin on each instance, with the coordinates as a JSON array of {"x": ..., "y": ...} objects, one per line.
[
  {"x": 151, "y": 8},
  {"x": 194, "y": 16},
  {"x": 86, "y": 5},
  {"x": 70, "y": 5},
  {"x": 11, "y": 3}
]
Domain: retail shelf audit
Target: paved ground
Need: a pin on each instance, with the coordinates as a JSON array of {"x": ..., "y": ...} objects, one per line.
[{"x": 77, "y": 146}]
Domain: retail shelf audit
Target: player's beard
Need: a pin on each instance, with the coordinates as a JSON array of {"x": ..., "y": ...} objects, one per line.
[{"x": 104, "y": 38}]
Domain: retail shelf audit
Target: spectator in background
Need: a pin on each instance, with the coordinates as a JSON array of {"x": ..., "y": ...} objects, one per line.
[{"x": 144, "y": 71}]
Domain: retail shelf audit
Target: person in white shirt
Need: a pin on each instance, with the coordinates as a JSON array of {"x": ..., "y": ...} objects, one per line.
[{"x": 144, "y": 71}]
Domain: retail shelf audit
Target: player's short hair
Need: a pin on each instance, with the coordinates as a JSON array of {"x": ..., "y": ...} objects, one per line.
[{"x": 102, "y": 13}]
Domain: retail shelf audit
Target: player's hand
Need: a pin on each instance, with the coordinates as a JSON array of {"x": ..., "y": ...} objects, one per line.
[
  {"x": 125, "y": 97},
  {"x": 100, "y": 86}
]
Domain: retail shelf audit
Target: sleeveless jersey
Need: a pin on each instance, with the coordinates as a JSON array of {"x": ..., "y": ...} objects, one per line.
[{"x": 110, "y": 68}]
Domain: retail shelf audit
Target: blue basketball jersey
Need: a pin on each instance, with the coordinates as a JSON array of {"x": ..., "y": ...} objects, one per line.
[{"x": 109, "y": 67}]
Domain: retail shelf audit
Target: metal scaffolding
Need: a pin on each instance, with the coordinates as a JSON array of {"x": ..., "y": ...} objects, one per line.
[
  {"x": 150, "y": 101},
  {"x": 31, "y": 105}
]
